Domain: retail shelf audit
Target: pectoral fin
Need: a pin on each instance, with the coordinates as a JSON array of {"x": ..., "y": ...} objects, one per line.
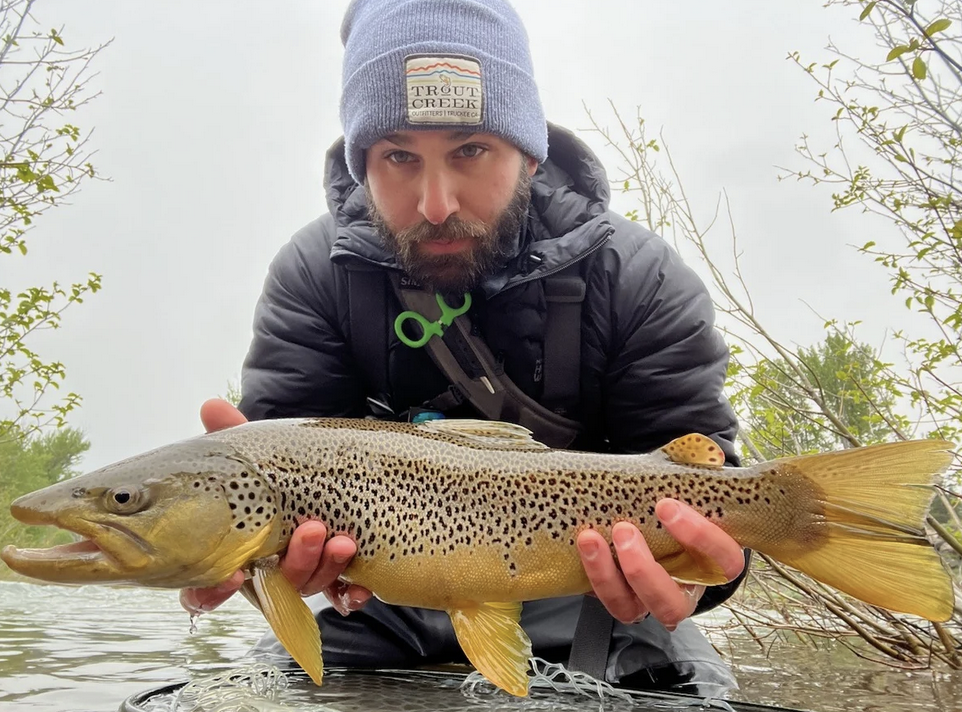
[
  {"x": 247, "y": 589},
  {"x": 687, "y": 567},
  {"x": 495, "y": 643},
  {"x": 289, "y": 617}
]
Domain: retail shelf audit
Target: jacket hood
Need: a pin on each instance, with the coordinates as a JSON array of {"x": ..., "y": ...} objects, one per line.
[{"x": 567, "y": 218}]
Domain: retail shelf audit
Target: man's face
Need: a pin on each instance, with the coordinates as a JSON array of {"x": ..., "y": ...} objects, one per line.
[{"x": 447, "y": 203}]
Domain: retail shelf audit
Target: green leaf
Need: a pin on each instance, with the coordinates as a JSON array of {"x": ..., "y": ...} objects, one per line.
[
  {"x": 866, "y": 11},
  {"x": 919, "y": 69},
  {"x": 896, "y": 52},
  {"x": 46, "y": 183},
  {"x": 938, "y": 26},
  {"x": 868, "y": 245}
]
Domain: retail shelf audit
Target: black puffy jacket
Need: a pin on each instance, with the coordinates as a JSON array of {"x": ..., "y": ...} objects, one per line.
[{"x": 652, "y": 366}]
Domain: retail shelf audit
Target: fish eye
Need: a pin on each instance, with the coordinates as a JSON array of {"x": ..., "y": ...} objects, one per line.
[{"x": 124, "y": 500}]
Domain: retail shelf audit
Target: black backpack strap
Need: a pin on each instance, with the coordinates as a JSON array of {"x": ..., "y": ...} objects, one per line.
[
  {"x": 589, "y": 647},
  {"x": 367, "y": 306},
  {"x": 564, "y": 293}
]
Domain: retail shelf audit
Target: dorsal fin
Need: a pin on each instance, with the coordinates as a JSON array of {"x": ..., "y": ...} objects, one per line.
[
  {"x": 695, "y": 449},
  {"x": 484, "y": 433}
]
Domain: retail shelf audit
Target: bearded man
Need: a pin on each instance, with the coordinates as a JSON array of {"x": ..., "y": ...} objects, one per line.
[{"x": 449, "y": 176}]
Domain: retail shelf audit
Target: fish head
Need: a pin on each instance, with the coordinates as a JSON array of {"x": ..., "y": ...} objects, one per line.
[{"x": 188, "y": 514}]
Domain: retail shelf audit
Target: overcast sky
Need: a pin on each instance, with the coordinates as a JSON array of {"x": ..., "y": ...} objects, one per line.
[{"x": 213, "y": 123}]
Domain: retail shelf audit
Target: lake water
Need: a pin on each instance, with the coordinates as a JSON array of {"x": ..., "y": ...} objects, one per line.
[{"x": 87, "y": 649}]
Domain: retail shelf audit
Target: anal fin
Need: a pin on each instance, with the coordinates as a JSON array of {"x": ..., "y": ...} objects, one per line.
[
  {"x": 688, "y": 567},
  {"x": 495, "y": 643},
  {"x": 288, "y": 615}
]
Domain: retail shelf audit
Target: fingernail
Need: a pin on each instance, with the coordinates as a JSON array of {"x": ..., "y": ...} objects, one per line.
[
  {"x": 623, "y": 536},
  {"x": 340, "y": 557},
  {"x": 589, "y": 550},
  {"x": 228, "y": 586},
  {"x": 669, "y": 512}
]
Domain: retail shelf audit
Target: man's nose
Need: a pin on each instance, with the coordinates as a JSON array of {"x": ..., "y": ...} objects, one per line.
[{"x": 439, "y": 199}]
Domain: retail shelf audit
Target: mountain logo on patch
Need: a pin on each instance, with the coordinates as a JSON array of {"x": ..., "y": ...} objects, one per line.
[{"x": 444, "y": 90}]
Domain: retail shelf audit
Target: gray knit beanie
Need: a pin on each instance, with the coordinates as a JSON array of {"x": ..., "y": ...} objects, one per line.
[{"x": 437, "y": 64}]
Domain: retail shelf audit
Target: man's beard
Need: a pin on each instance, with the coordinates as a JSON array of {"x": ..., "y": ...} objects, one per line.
[{"x": 460, "y": 272}]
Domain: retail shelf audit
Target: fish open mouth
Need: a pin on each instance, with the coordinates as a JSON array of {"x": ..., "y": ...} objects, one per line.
[
  {"x": 82, "y": 561},
  {"x": 85, "y": 549}
]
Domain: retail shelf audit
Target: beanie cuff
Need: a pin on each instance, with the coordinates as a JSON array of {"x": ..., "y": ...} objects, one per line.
[{"x": 375, "y": 102}]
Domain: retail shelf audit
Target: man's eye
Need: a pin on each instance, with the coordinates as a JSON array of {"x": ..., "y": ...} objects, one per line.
[
  {"x": 400, "y": 157},
  {"x": 471, "y": 150}
]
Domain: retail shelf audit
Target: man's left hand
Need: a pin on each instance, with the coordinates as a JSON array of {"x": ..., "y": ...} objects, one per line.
[{"x": 637, "y": 585}]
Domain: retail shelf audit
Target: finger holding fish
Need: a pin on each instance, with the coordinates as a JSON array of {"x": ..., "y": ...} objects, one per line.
[
  {"x": 702, "y": 539},
  {"x": 669, "y": 602},
  {"x": 315, "y": 567},
  {"x": 217, "y": 414},
  {"x": 607, "y": 580},
  {"x": 203, "y": 600},
  {"x": 637, "y": 584}
]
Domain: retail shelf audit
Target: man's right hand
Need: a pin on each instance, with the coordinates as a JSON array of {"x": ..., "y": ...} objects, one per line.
[{"x": 309, "y": 564}]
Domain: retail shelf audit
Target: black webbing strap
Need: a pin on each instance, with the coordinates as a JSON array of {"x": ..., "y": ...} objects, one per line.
[
  {"x": 564, "y": 294},
  {"x": 589, "y": 647},
  {"x": 367, "y": 296}
]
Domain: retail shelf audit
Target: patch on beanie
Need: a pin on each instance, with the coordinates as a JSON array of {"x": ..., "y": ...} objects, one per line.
[{"x": 443, "y": 90}]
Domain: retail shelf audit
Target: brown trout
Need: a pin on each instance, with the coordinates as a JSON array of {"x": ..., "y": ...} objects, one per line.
[{"x": 474, "y": 517}]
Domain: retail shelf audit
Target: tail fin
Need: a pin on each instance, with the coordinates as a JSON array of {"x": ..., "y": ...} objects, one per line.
[{"x": 873, "y": 503}]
